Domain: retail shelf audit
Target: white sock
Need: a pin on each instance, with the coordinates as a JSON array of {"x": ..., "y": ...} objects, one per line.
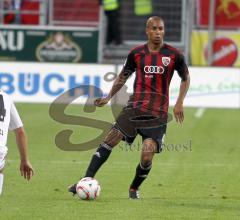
[{"x": 1, "y": 182}]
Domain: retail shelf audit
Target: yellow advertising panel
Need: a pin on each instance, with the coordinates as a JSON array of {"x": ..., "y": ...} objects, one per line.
[{"x": 226, "y": 47}]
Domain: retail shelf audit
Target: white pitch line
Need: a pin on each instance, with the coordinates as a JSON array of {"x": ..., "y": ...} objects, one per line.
[{"x": 200, "y": 112}]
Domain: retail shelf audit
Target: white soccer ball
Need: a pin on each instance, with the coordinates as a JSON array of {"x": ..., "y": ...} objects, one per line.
[{"x": 88, "y": 188}]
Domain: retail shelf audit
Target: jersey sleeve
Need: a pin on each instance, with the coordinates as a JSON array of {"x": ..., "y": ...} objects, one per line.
[
  {"x": 130, "y": 64},
  {"x": 15, "y": 120},
  {"x": 181, "y": 67}
]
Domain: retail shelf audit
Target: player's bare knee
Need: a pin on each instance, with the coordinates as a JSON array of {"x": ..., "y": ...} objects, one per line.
[
  {"x": 146, "y": 158},
  {"x": 148, "y": 150},
  {"x": 149, "y": 145},
  {"x": 113, "y": 137}
]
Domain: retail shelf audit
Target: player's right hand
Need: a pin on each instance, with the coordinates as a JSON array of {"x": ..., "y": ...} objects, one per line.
[
  {"x": 101, "y": 101},
  {"x": 26, "y": 169}
]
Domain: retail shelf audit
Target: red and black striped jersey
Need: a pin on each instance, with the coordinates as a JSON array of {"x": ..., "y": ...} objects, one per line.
[{"x": 154, "y": 71}]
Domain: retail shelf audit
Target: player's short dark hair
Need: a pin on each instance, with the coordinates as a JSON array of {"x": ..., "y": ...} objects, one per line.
[{"x": 154, "y": 18}]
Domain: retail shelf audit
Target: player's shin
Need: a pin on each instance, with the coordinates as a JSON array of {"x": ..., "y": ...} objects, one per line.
[
  {"x": 142, "y": 171},
  {"x": 1, "y": 182},
  {"x": 100, "y": 156}
]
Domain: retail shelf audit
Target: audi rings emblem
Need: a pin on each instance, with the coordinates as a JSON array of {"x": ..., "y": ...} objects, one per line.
[{"x": 154, "y": 69}]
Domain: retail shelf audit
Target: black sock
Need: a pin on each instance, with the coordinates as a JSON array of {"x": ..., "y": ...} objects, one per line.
[
  {"x": 141, "y": 174},
  {"x": 100, "y": 156}
]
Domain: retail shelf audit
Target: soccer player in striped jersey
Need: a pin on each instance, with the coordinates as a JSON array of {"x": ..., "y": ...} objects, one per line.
[
  {"x": 146, "y": 112},
  {"x": 10, "y": 120}
]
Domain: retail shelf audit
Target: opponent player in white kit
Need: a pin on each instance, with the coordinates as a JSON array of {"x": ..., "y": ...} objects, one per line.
[{"x": 10, "y": 120}]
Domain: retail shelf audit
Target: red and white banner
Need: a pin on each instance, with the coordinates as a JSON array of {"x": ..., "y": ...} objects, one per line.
[
  {"x": 226, "y": 47},
  {"x": 227, "y": 13}
]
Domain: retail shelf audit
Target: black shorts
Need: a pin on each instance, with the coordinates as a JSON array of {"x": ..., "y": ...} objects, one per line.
[{"x": 131, "y": 122}]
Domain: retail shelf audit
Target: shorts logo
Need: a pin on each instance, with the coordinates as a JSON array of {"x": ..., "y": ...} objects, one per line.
[
  {"x": 166, "y": 61},
  {"x": 154, "y": 69}
]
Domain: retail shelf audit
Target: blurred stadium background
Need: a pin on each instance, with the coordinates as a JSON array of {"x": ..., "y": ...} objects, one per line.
[{"x": 50, "y": 46}]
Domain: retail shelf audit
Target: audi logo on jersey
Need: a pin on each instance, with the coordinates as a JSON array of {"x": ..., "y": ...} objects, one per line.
[{"x": 154, "y": 69}]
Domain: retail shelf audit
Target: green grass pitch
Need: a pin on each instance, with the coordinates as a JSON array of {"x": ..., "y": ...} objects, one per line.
[{"x": 196, "y": 177}]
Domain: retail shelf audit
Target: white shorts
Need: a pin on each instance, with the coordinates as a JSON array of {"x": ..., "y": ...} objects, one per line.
[{"x": 3, "y": 154}]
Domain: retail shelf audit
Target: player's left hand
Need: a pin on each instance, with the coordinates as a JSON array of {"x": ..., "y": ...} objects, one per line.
[
  {"x": 26, "y": 170},
  {"x": 178, "y": 112}
]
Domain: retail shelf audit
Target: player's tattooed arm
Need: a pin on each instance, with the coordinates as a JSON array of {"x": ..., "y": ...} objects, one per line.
[
  {"x": 117, "y": 85},
  {"x": 119, "y": 82}
]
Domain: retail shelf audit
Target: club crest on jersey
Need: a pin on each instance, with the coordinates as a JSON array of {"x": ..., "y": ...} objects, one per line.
[{"x": 166, "y": 61}]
